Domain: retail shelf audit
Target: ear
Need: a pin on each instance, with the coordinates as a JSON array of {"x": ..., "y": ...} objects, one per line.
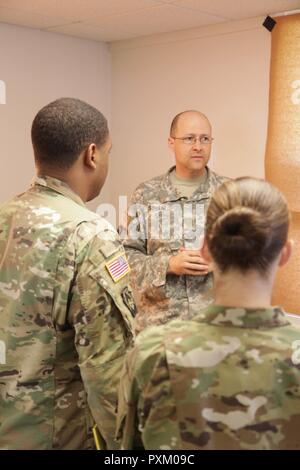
[
  {"x": 171, "y": 142},
  {"x": 286, "y": 253},
  {"x": 205, "y": 253},
  {"x": 90, "y": 158}
]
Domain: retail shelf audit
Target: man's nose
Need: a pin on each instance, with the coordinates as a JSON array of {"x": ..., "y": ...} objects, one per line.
[{"x": 197, "y": 144}]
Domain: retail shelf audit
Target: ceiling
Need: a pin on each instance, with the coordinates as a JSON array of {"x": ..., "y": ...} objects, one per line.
[{"x": 113, "y": 20}]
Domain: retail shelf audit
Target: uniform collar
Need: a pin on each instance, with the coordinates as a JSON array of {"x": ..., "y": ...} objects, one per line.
[
  {"x": 170, "y": 193},
  {"x": 58, "y": 186},
  {"x": 243, "y": 317}
]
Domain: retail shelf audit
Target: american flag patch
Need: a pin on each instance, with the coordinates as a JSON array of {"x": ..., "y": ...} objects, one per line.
[{"x": 118, "y": 267}]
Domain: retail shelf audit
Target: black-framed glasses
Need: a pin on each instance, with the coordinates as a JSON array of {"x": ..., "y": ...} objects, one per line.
[{"x": 193, "y": 139}]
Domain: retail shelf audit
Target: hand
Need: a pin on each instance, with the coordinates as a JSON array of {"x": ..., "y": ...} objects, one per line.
[{"x": 188, "y": 262}]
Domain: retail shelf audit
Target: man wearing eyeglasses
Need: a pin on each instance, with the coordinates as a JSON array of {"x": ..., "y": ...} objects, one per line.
[{"x": 165, "y": 230}]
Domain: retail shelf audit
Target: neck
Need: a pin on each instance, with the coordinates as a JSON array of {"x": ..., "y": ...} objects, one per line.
[
  {"x": 189, "y": 174},
  {"x": 249, "y": 290},
  {"x": 69, "y": 177}
]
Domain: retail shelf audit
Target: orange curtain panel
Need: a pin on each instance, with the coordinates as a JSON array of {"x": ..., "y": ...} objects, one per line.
[{"x": 282, "y": 161}]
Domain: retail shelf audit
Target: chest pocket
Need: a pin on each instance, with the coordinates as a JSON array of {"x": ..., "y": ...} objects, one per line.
[{"x": 112, "y": 273}]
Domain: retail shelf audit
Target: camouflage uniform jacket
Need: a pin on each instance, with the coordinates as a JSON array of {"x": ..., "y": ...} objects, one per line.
[
  {"x": 160, "y": 296},
  {"x": 64, "y": 323},
  {"x": 227, "y": 379}
]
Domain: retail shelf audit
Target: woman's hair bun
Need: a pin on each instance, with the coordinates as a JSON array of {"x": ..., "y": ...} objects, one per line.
[
  {"x": 240, "y": 234},
  {"x": 247, "y": 224}
]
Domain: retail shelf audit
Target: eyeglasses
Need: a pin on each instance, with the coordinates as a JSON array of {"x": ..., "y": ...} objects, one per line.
[{"x": 193, "y": 139}]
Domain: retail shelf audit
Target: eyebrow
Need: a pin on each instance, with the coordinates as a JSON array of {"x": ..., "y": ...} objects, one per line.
[{"x": 195, "y": 135}]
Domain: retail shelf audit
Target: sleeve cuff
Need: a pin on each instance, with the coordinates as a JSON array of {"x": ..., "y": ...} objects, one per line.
[{"x": 160, "y": 275}]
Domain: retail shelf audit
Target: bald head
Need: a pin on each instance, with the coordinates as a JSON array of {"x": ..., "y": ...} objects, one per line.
[{"x": 182, "y": 116}]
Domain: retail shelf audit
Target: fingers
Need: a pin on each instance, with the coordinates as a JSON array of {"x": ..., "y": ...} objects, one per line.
[
  {"x": 188, "y": 262},
  {"x": 196, "y": 260},
  {"x": 200, "y": 269},
  {"x": 195, "y": 266},
  {"x": 191, "y": 272}
]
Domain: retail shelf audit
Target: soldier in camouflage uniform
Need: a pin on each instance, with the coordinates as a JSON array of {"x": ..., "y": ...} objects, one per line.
[
  {"x": 166, "y": 225},
  {"x": 65, "y": 302},
  {"x": 230, "y": 377}
]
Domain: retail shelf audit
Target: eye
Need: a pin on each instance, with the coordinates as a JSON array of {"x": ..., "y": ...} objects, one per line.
[
  {"x": 205, "y": 139},
  {"x": 188, "y": 140}
]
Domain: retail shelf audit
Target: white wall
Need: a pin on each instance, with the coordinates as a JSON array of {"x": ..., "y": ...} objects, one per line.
[
  {"x": 37, "y": 68},
  {"x": 222, "y": 70}
]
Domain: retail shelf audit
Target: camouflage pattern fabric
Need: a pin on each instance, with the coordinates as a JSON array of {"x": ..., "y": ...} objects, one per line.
[
  {"x": 228, "y": 379},
  {"x": 65, "y": 324},
  {"x": 161, "y": 297}
]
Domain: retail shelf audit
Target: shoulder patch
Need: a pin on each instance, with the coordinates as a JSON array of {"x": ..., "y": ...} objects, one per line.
[
  {"x": 128, "y": 300},
  {"x": 118, "y": 267}
]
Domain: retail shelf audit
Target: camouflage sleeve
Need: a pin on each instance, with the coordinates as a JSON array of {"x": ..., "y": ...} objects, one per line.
[
  {"x": 145, "y": 394},
  {"x": 101, "y": 311},
  {"x": 148, "y": 270},
  {"x": 127, "y": 430}
]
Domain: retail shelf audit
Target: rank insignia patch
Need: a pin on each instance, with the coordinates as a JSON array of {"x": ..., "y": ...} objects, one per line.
[{"x": 118, "y": 267}]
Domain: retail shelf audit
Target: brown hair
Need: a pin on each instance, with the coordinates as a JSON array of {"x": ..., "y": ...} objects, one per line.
[{"x": 247, "y": 224}]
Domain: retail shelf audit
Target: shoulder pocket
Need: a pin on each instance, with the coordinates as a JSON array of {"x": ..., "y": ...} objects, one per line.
[{"x": 112, "y": 274}]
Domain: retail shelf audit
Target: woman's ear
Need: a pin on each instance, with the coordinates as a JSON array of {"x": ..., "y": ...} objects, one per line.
[
  {"x": 286, "y": 253},
  {"x": 205, "y": 253}
]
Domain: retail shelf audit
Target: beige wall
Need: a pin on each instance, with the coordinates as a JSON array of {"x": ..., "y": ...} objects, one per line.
[
  {"x": 37, "y": 68},
  {"x": 222, "y": 70}
]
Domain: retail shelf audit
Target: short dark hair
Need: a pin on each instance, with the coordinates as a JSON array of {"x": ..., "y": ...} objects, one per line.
[
  {"x": 247, "y": 224},
  {"x": 63, "y": 129}
]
